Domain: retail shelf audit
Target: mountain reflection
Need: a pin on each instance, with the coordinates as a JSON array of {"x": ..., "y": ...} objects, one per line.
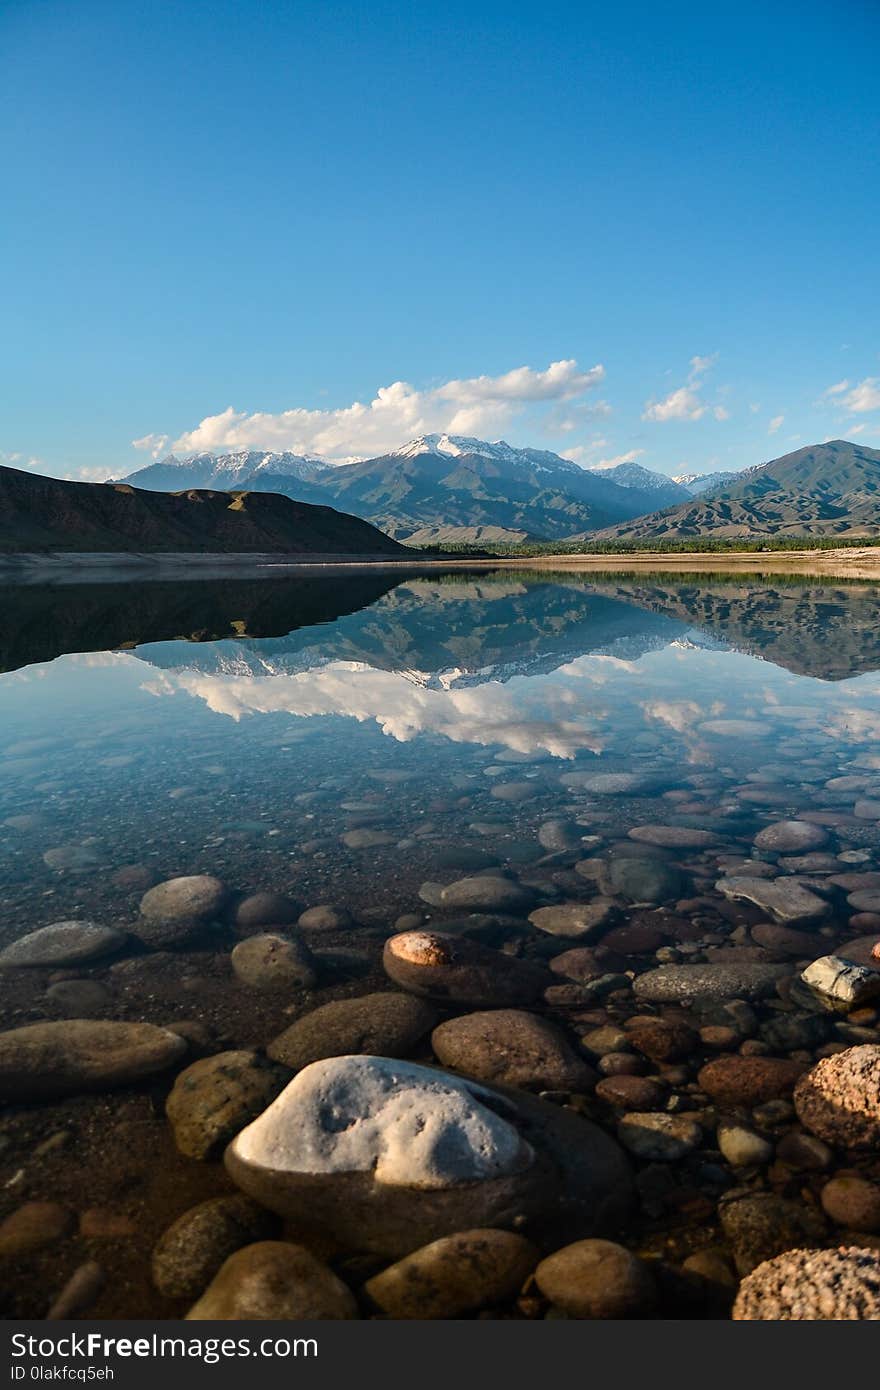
[{"x": 461, "y": 628}]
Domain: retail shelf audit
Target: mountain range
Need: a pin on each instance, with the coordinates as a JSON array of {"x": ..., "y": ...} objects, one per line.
[
  {"x": 830, "y": 489},
  {"x": 438, "y": 481},
  {"x": 45, "y": 514}
]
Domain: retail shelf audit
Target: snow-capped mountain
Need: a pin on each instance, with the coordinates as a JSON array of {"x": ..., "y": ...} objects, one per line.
[
  {"x": 697, "y": 483},
  {"x": 224, "y": 471},
  {"x": 666, "y": 490},
  {"x": 462, "y": 445}
]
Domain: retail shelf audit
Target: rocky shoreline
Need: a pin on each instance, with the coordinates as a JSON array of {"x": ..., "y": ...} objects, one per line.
[{"x": 636, "y": 1077}]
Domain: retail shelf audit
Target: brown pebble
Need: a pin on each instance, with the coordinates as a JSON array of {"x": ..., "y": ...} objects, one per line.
[
  {"x": 733, "y": 1080},
  {"x": 101, "y": 1223},
  {"x": 81, "y": 1290},
  {"x": 631, "y": 1092},
  {"x": 34, "y": 1225}
]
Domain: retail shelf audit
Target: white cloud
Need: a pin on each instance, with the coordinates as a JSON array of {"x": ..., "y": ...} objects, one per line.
[
  {"x": 837, "y": 389},
  {"x": 863, "y": 397},
  {"x": 686, "y": 403},
  {"x": 480, "y": 405},
  {"x": 683, "y": 404},
  {"x": 775, "y": 424},
  {"x": 619, "y": 458},
  {"x": 151, "y": 443}
]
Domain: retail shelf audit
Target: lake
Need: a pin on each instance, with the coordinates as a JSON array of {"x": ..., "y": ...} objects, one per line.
[{"x": 362, "y": 740}]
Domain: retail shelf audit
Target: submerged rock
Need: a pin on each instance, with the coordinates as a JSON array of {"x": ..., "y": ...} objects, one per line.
[
  {"x": 386, "y": 1156},
  {"x": 62, "y": 943},
  {"x": 457, "y": 970},
  {"x": 687, "y": 984},
  {"x": 597, "y": 1279},
  {"x": 192, "y": 1250},
  {"x": 514, "y": 1048},
  {"x": 842, "y": 984},
  {"x": 455, "y": 1275},
  {"x": 791, "y": 837},
  {"x": 812, "y": 1286},
  {"x": 576, "y": 920},
  {"x": 487, "y": 894},
  {"x": 175, "y": 911},
  {"x": 274, "y": 1280},
  {"x": 784, "y": 899},
  {"x": 216, "y": 1097},
  {"x": 271, "y": 962},
  {"x": 839, "y": 1099},
  {"x": 49, "y": 1060},
  {"x": 387, "y": 1024}
]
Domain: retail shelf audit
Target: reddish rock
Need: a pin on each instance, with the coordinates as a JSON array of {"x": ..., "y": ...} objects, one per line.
[
  {"x": 839, "y": 1099},
  {"x": 663, "y": 1041},
  {"x": 739, "y": 1080},
  {"x": 631, "y": 1093}
]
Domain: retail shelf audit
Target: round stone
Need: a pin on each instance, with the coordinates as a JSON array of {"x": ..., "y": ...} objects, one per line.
[
  {"x": 659, "y": 1138},
  {"x": 791, "y": 837},
  {"x": 457, "y": 970},
  {"x": 487, "y": 894},
  {"x": 649, "y": 880},
  {"x": 735, "y": 1080},
  {"x": 742, "y": 1147},
  {"x": 839, "y": 1099},
  {"x": 853, "y": 1203},
  {"x": 515, "y": 792},
  {"x": 274, "y": 1280},
  {"x": 62, "y": 943},
  {"x": 326, "y": 917},
  {"x": 51, "y": 1060},
  {"x": 514, "y": 1048},
  {"x": 266, "y": 910},
  {"x": 454, "y": 1276},
  {"x": 760, "y": 1225},
  {"x": 387, "y": 1156},
  {"x": 687, "y": 984},
  {"x": 270, "y": 962},
  {"x": 631, "y": 1092},
  {"x": 196, "y": 898},
  {"x": 596, "y": 1279},
  {"x": 812, "y": 1286},
  {"x": 386, "y": 1025},
  {"x": 577, "y": 920},
  {"x": 672, "y": 836},
  {"x": 33, "y": 1226},
  {"x": 217, "y": 1096},
  {"x": 192, "y": 1250}
]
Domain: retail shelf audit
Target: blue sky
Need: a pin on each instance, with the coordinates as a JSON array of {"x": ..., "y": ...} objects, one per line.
[{"x": 632, "y": 230}]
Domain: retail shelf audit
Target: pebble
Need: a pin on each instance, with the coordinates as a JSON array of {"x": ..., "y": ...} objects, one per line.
[
  {"x": 742, "y": 1147},
  {"x": 79, "y": 1293},
  {"x": 760, "y": 1225},
  {"x": 487, "y": 893},
  {"x": 513, "y": 1048},
  {"x": 659, "y": 1138},
  {"x": 217, "y": 1096},
  {"x": 34, "y": 1225},
  {"x": 791, "y": 837},
  {"x": 326, "y": 917},
  {"x": 687, "y": 984},
  {"x": 365, "y": 838},
  {"x": 662, "y": 1041},
  {"x": 672, "y": 836},
  {"x": 62, "y": 943},
  {"x": 78, "y": 998},
  {"x": 580, "y": 920},
  {"x": 839, "y": 1099},
  {"x": 50, "y": 1060},
  {"x": 842, "y": 984},
  {"x": 804, "y": 1152},
  {"x": 648, "y": 880},
  {"x": 748, "y": 1081},
  {"x": 387, "y": 1156},
  {"x": 274, "y": 1280},
  {"x": 636, "y": 1093},
  {"x": 812, "y": 1286},
  {"x": 784, "y": 899},
  {"x": 457, "y": 970},
  {"x": 557, "y": 836},
  {"x": 514, "y": 792},
  {"x": 852, "y": 1202},
  {"x": 270, "y": 962},
  {"x": 387, "y": 1024},
  {"x": 178, "y": 910},
  {"x": 192, "y": 1249},
  {"x": 454, "y": 1276},
  {"x": 266, "y": 910},
  {"x": 597, "y": 1279}
]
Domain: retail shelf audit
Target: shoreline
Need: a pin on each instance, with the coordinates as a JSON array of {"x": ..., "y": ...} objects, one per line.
[{"x": 855, "y": 563}]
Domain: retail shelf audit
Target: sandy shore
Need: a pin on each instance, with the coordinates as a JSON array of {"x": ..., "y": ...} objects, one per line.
[{"x": 855, "y": 563}]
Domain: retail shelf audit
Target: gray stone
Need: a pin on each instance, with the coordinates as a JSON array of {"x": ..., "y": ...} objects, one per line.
[
  {"x": 659, "y": 1138},
  {"x": 62, "y": 943},
  {"x": 273, "y": 1280},
  {"x": 387, "y": 1156},
  {"x": 192, "y": 1250},
  {"x": 687, "y": 984},
  {"x": 784, "y": 899},
  {"x": 514, "y": 1048},
  {"x": 791, "y": 837},
  {"x": 576, "y": 920},
  {"x": 648, "y": 880},
  {"x": 271, "y": 962},
  {"x": 485, "y": 893},
  {"x": 842, "y": 984},
  {"x": 217, "y": 1096},
  {"x": 386, "y": 1024},
  {"x": 50, "y": 1060},
  {"x": 454, "y": 1276}
]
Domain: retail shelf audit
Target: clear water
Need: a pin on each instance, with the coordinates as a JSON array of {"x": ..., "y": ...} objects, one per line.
[{"x": 245, "y": 728}]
